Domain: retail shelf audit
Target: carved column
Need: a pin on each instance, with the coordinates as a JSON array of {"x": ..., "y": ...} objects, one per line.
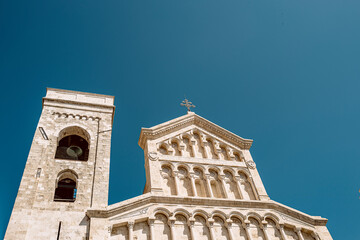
[
  {"x": 209, "y": 185},
  {"x": 264, "y": 228},
  {"x": 211, "y": 228},
  {"x": 205, "y": 146},
  {"x": 177, "y": 182},
  {"x": 217, "y": 149},
  {"x": 298, "y": 231},
  {"x": 130, "y": 226},
  {"x": 247, "y": 229},
  {"x": 192, "y": 177},
  {"x": 170, "y": 149},
  {"x": 181, "y": 145},
  {"x": 229, "y": 227},
  {"x": 172, "y": 227},
  {"x": 151, "y": 227},
  {"x": 230, "y": 153},
  {"x": 192, "y": 143},
  {"x": 282, "y": 232},
  {"x": 191, "y": 224},
  {"x": 238, "y": 183},
  {"x": 223, "y": 183}
]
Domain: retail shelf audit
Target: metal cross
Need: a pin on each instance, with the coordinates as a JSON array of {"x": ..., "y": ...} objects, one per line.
[{"x": 187, "y": 104}]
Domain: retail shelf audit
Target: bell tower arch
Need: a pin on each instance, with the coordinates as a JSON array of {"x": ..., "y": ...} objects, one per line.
[{"x": 67, "y": 170}]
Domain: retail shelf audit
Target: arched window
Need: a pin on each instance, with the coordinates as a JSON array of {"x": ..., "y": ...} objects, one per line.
[
  {"x": 168, "y": 180},
  {"x": 184, "y": 183},
  {"x": 200, "y": 183},
  {"x": 66, "y": 188},
  {"x": 215, "y": 184},
  {"x": 230, "y": 186},
  {"x": 73, "y": 144},
  {"x": 247, "y": 191},
  {"x": 161, "y": 227}
]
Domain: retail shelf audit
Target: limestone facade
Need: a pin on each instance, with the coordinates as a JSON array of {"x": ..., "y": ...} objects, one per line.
[{"x": 201, "y": 183}]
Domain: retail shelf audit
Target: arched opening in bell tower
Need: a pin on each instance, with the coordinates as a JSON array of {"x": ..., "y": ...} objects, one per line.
[
  {"x": 73, "y": 144},
  {"x": 66, "y": 186}
]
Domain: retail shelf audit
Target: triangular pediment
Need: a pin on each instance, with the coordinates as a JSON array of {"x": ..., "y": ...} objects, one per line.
[{"x": 191, "y": 122}]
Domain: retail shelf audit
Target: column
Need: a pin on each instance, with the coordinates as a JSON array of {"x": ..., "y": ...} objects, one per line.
[
  {"x": 230, "y": 153},
  {"x": 217, "y": 149},
  {"x": 151, "y": 227},
  {"x": 170, "y": 148},
  {"x": 130, "y": 226},
  {"x": 176, "y": 178},
  {"x": 281, "y": 229},
  {"x": 172, "y": 227},
  {"x": 247, "y": 229},
  {"x": 205, "y": 146},
  {"x": 191, "y": 223},
  {"x": 298, "y": 231},
  {"x": 211, "y": 229},
  {"x": 264, "y": 228},
  {"x": 221, "y": 177},
  {"x": 207, "y": 177},
  {"x": 192, "y": 177},
  {"x": 181, "y": 145},
  {"x": 238, "y": 183},
  {"x": 192, "y": 143},
  {"x": 229, "y": 227}
]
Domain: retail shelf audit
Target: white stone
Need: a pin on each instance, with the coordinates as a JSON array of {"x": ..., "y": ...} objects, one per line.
[{"x": 201, "y": 183}]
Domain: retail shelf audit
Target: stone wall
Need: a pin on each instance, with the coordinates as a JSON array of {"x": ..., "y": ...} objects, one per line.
[{"x": 35, "y": 214}]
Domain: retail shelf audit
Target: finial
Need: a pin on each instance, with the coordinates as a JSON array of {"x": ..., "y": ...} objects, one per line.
[{"x": 187, "y": 104}]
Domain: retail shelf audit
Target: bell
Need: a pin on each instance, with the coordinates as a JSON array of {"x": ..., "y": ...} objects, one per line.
[{"x": 74, "y": 151}]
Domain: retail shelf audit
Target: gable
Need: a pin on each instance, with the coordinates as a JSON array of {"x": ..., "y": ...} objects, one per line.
[{"x": 193, "y": 130}]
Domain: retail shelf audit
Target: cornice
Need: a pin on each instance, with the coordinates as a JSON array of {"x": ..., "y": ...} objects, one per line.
[
  {"x": 72, "y": 102},
  {"x": 145, "y": 199},
  {"x": 187, "y": 120}
]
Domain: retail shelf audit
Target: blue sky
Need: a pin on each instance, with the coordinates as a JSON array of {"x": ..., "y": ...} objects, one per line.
[{"x": 284, "y": 73}]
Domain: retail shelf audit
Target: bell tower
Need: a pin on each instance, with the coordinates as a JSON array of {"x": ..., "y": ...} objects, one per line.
[{"x": 67, "y": 170}]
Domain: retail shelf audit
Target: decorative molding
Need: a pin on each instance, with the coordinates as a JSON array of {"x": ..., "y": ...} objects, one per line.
[
  {"x": 187, "y": 120},
  {"x": 75, "y": 116},
  {"x": 153, "y": 156}
]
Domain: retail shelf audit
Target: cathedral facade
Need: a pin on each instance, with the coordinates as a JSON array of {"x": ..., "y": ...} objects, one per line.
[{"x": 201, "y": 182}]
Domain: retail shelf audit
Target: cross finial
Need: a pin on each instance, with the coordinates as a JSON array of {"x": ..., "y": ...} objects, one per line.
[{"x": 187, "y": 104}]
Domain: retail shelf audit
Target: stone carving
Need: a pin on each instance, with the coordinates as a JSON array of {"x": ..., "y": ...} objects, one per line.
[
  {"x": 251, "y": 164},
  {"x": 75, "y": 116},
  {"x": 195, "y": 143},
  {"x": 153, "y": 156}
]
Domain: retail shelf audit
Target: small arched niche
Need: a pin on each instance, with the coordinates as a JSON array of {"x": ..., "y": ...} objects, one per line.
[
  {"x": 66, "y": 187},
  {"x": 73, "y": 144}
]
